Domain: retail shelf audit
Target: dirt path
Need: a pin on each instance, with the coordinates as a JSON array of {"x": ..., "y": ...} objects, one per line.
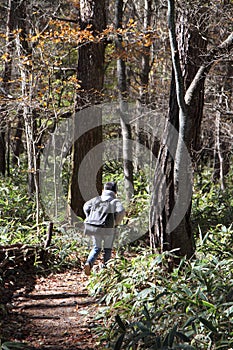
[{"x": 58, "y": 314}]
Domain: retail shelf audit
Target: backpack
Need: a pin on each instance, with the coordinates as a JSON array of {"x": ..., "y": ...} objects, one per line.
[{"x": 102, "y": 213}]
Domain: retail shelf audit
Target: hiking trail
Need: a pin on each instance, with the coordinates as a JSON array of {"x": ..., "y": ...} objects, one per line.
[{"x": 57, "y": 314}]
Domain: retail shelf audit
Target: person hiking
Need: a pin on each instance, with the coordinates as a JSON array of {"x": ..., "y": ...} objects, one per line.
[{"x": 103, "y": 214}]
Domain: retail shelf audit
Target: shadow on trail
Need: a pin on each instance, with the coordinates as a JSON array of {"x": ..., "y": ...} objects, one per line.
[{"x": 49, "y": 312}]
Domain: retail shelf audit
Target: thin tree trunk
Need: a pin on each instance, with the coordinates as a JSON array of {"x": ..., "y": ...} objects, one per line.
[
  {"x": 24, "y": 52},
  {"x": 2, "y": 153},
  {"x": 28, "y": 113},
  {"x": 218, "y": 155},
  {"x": 122, "y": 96},
  {"x": 146, "y": 56},
  {"x": 17, "y": 145},
  {"x": 143, "y": 101},
  {"x": 222, "y": 144},
  {"x": 10, "y": 24}
]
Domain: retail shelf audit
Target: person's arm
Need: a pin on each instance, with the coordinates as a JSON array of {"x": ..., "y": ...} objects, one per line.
[
  {"x": 119, "y": 213},
  {"x": 87, "y": 207}
]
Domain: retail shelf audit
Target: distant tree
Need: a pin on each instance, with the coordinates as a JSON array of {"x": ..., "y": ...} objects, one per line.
[
  {"x": 146, "y": 63},
  {"x": 6, "y": 78},
  {"x": 123, "y": 103},
  {"x": 30, "y": 83}
]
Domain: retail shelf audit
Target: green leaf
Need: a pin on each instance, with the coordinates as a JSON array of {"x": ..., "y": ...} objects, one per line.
[
  {"x": 183, "y": 337},
  {"x": 229, "y": 311},
  {"x": 120, "y": 323},
  {"x": 160, "y": 295},
  {"x": 207, "y": 304},
  {"x": 171, "y": 336},
  {"x": 12, "y": 345},
  {"x": 189, "y": 321},
  {"x": 146, "y": 313},
  {"x": 185, "y": 347},
  {"x": 208, "y": 324},
  {"x": 119, "y": 342}
]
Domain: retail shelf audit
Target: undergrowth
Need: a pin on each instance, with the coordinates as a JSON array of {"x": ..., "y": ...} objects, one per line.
[
  {"x": 145, "y": 307},
  {"x": 17, "y": 226}
]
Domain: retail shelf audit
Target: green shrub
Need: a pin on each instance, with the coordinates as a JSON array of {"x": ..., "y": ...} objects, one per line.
[
  {"x": 210, "y": 204},
  {"x": 190, "y": 308}
]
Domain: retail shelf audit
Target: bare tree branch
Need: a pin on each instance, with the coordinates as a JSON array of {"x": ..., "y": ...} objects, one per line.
[
  {"x": 214, "y": 54},
  {"x": 70, "y": 20},
  {"x": 175, "y": 56}
]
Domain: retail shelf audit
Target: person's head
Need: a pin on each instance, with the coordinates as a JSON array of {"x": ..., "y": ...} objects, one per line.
[{"x": 111, "y": 186}]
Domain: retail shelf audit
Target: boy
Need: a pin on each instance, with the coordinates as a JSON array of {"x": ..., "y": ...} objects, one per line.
[{"x": 101, "y": 231}]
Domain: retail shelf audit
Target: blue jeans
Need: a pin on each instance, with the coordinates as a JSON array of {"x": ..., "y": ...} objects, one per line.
[{"x": 103, "y": 237}]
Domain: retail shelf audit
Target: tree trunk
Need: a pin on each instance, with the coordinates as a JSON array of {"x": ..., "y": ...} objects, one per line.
[
  {"x": 146, "y": 57},
  {"x": 172, "y": 224},
  {"x": 91, "y": 77},
  {"x": 146, "y": 64},
  {"x": 2, "y": 153},
  {"x": 10, "y": 25},
  {"x": 23, "y": 52},
  {"x": 224, "y": 106},
  {"x": 122, "y": 96},
  {"x": 30, "y": 124},
  {"x": 17, "y": 145},
  {"x": 180, "y": 237}
]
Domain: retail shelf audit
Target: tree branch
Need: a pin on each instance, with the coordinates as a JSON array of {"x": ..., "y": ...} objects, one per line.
[
  {"x": 70, "y": 20},
  {"x": 204, "y": 69},
  {"x": 175, "y": 56}
]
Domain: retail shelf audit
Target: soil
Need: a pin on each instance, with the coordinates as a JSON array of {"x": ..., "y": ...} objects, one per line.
[{"x": 57, "y": 313}]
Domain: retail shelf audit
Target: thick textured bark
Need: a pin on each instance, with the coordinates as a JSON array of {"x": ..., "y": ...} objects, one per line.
[
  {"x": 186, "y": 119},
  {"x": 192, "y": 46},
  {"x": 189, "y": 100},
  {"x": 91, "y": 76}
]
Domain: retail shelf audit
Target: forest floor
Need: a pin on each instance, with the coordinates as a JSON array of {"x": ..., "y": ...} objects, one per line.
[{"x": 56, "y": 313}]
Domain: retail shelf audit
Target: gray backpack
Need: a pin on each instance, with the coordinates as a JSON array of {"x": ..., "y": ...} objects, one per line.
[{"x": 102, "y": 213}]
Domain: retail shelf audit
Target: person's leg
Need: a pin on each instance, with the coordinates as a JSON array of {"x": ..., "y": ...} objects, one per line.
[
  {"x": 108, "y": 243},
  {"x": 94, "y": 253},
  {"x": 107, "y": 255}
]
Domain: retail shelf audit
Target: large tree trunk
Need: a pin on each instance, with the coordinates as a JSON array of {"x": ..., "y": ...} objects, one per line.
[
  {"x": 189, "y": 107},
  {"x": 91, "y": 77},
  {"x": 171, "y": 205}
]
